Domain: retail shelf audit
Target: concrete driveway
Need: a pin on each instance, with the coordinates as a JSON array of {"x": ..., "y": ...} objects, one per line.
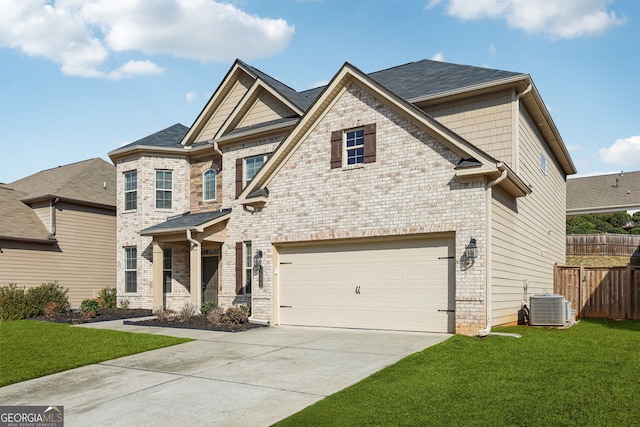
[{"x": 251, "y": 378}]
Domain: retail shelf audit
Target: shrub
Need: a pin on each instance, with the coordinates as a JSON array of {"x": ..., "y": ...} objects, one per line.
[
  {"x": 165, "y": 314},
  {"x": 246, "y": 308},
  {"x": 124, "y": 303},
  {"x": 187, "y": 312},
  {"x": 39, "y": 297},
  {"x": 235, "y": 315},
  {"x": 207, "y": 307},
  {"x": 108, "y": 295},
  {"x": 215, "y": 315},
  {"x": 89, "y": 305},
  {"x": 13, "y": 303}
]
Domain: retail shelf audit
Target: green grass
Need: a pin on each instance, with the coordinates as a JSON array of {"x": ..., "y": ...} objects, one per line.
[
  {"x": 31, "y": 349},
  {"x": 588, "y": 375}
]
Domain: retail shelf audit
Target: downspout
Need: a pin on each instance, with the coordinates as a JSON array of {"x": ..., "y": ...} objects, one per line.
[
  {"x": 489, "y": 196},
  {"x": 198, "y": 288},
  {"x": 516, "y": 128},
  {"x": 216, "y": 148},
  {"x": 53, "y": 205}
]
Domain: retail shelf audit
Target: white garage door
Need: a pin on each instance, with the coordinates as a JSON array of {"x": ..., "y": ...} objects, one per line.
[{"x": 399, "y": 285}]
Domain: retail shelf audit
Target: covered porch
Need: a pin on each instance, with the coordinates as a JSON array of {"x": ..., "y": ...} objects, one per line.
[{"x": 203, "y": 234}]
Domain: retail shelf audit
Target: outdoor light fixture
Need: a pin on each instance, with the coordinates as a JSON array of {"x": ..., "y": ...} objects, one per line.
[
  {"x": 471, "y": 250},
  {"x": 257, "y": 260}
]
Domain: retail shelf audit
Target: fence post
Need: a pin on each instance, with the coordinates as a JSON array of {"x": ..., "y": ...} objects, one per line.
[
  {"x": 581, "y": 277},
  {"x": 627, "y": 293}
]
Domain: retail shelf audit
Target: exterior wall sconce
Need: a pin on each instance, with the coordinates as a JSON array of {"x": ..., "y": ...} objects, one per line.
[{"x": 471, "y": 250}]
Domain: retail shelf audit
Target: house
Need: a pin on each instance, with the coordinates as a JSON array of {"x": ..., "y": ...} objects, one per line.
[
  {"x": 60, "y": 225},
  {"x": 426, "y": 197},
  {"x": 604, "y": 194}
]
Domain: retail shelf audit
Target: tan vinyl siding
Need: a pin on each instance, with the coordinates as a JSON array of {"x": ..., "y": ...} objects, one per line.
[
  {"x": 527, "y": 234},
  {"x": 84, "y": 260},
  {"x": 265, "y": 108},
  {"x": 43, "y": 212},
  {"x": 217, "y": 119},
  {"x": 485, "y": 121}
]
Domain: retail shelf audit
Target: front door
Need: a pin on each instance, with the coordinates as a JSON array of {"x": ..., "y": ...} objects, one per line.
[{"x": 210, "y": 279}]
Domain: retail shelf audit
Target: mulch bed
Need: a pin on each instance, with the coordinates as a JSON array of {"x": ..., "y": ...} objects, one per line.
[
  {"x": 76, "y": 317},
  {"x": 195, "y": 322}
]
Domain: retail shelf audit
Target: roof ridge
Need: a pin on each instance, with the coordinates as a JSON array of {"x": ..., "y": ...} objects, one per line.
[{"x": 90, "y": 162}]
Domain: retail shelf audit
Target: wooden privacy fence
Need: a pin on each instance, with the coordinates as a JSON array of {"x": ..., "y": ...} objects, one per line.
[
  {"x": 603, "y": 245},
  {"x": 600, "y": 292}
]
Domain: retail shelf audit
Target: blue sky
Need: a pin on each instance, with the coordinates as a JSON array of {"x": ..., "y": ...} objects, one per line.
[{"x": 79, "y": 78}]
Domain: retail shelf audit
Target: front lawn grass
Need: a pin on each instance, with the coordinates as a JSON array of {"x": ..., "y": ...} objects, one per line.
[
  {"x": 31, "y": 349},
  {"x": 588, "y": 375}
]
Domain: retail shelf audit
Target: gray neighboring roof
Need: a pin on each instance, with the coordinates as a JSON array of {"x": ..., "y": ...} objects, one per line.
[
  {"x": 186, "y": 221},
  {"x": 19, "y": 221},
  {"x": 81, "y": 181},
  {"x": 599, "y": 193}
]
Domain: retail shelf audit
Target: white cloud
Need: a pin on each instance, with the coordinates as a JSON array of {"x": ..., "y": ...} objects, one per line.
[
  {"x": 492, "y": 49},
  {"x": 190, "y": 97},
  {"x": 319, "y": 83},
  {"x": 438, "y": 57},
  {"x": 623, "y": 152},
  {"x": 432, "y": 4},
  {"x": 557, "y": 19},
  {"x": 83, "y": 35},
  {"x": 574, "y": 147}
]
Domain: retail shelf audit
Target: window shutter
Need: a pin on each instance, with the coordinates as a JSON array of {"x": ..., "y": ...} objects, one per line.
[
  {"x": 370, "y": 143},
  {"x": 239, "y": 163},
  {"x": 336, "y": 149},
  {"x": 238, "y": 267}
]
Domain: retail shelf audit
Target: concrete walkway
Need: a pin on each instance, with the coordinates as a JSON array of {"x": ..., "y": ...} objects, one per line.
[{"x": 251, "y": 378}]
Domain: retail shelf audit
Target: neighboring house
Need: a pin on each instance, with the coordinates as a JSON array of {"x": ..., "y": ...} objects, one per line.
[
  {"x": 352, "y": 205},
  {"x": 618, "y": 192},
  {"x": 60, "y": 225}
]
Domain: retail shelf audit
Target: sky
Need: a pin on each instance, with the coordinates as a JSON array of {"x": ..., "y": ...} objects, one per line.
[{"x": 80, "y": 78}]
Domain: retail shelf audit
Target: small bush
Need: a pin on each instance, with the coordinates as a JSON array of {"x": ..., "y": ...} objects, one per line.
[
  {"x": 235, "y": 315},
  {"x": 246, "y": 308},
  {"x": 187, "y": 312},
  {"x": 51, "y": 309},
  {"x": 39, "y": 297},
  {"x": 207, "y": 307},
  {"x": 124, "y": 303},
  {"x": 165, "y": 315},
  {"x": 89, "y": 305},
  {"x": 108, "y": 295},
  {"x": 215, "y": 315},
  {"x": 13, "y": 303}
]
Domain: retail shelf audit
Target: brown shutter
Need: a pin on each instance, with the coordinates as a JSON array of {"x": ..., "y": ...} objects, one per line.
[
  {"x": 239, "y": 163},
  {"x": 370, "y": 143},
  {"x": 239, "y": 268},
  {"x": 336, "y": 149}
]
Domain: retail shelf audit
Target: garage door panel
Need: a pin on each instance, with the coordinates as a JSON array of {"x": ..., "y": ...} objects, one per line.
[{"x": 382, "y": 285}]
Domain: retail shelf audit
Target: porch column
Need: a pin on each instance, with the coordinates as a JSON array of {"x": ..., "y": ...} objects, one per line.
[
  {"x": 195, "y": 275},
  {"x": 158, "y": 290}
]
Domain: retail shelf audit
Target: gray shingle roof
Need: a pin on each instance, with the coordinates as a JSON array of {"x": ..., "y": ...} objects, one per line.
[
  {"x": 81, "y": 181},
  {"x": 187, "y": 221},
  {"x": 598, "y": 192},
  {"x": 18, "y": 220},
  {"x": 169, "y": 138}
]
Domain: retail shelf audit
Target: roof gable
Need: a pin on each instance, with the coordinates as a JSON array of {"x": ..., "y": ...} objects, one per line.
[
  {"x": 349, "y": 74},
  {"x": 19, "y": 221}
]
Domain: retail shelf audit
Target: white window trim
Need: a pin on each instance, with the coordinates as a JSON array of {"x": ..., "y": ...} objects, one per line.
[
  {"x": 543, "y": 163},
  {"x": 156, "y": 189},
  {"x": 247, "y": 266},
  {"x": 135, "y": 190},
  {"x": 246, "y": 181},
  {"x": 345, "y": 149},
  {"x": 165, "y": 270},
  {"x": 204, "y": 185},
  {"x": 127, "y": 270}
]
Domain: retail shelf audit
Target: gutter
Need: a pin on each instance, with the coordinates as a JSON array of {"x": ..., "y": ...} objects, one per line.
[{"x": 487, "y": 330}]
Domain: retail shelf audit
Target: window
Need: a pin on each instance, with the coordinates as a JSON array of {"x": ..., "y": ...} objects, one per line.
[
  {"x": 353, "y": 146},
  {"x": 209, "y": 185},
  {"x": 130, "y": 190},
  {"x": 543, "y": 164},
  {"x": 252, "y": 166},
  {"x": 167, "y": 269},
  {"x": 130, "y": 269},
  {"x": 163, "y": 189},
  {"x": 248, "y": 267}
]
